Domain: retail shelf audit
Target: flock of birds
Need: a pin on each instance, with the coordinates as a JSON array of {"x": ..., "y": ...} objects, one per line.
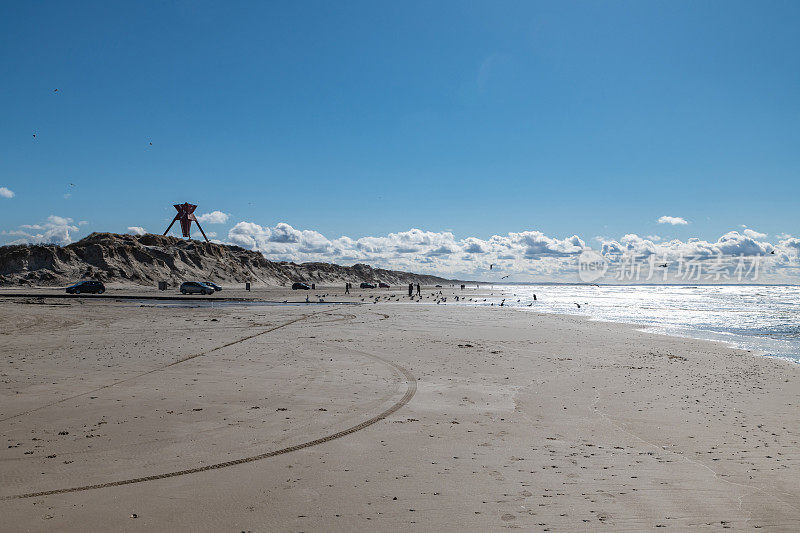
[{"x": 436, "y": 297}]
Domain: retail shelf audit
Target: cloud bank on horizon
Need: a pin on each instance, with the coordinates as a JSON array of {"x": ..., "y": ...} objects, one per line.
[{"x": 525, "y": 255}]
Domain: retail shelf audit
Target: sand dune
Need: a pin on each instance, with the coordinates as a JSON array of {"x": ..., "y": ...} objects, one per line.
[{"x": 148, "y": 259}]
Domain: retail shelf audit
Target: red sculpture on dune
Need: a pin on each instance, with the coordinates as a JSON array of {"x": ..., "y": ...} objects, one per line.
[{"x": 186, "y": 216}]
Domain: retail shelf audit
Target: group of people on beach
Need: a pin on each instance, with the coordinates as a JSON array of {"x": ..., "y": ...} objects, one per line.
[{"x": 348, "y": 286}]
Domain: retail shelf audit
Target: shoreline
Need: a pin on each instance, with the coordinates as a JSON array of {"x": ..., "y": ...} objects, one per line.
[
  {"x": 260, "y": 295},
  {"x": 786, "y": 348}
]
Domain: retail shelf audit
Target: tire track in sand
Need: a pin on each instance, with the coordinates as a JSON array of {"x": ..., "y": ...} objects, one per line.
[
  {"x": 159, "y": 369},
  {"x": 411, "y": 389}
]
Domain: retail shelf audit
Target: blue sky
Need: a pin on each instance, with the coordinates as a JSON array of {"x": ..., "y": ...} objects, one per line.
[{"x": 367, "y": 118}]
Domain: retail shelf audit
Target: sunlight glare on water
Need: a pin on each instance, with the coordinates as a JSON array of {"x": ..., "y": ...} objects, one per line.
[{"x": 765, "y": 319}]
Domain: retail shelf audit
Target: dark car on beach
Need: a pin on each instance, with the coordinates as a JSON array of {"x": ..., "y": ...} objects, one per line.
[
  {"x": 367, "y": 285},
  {"x": 300, "y": 286},
  {"x": 88, "y": 287},
  {"x": 383, "y": 285},
  {"x": 195, "y": 287},
  {"x": 212, "y": 285}
]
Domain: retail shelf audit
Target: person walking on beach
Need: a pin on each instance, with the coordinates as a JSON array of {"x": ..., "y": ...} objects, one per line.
[
  {"x": 419, "y": 291},
  {"x": 347, "y": 288},
  {"x": 410, "y": 290}
]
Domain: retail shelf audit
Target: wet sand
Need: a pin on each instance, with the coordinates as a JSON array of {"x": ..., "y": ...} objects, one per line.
[{"x": 388, "y": 416}]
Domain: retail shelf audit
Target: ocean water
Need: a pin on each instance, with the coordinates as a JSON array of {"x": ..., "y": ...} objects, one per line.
[{"x": 763, "y": 319}]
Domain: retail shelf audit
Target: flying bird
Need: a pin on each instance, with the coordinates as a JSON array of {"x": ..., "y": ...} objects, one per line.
[
  {"x": 579, "y": 305},
  {"x": 490, "y": 266},
  {"x": 504, "y": 277},
  {"x": 663, "y": 266},
  {"x": 55, "y": 90}
]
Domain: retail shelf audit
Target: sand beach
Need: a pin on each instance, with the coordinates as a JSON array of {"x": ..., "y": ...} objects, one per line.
[{"x": 124, "y": 415}]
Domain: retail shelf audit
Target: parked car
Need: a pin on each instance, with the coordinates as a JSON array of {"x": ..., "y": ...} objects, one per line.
[
  {"x": 367, "y": 285},
  {"x": 89, "y": 287},
  {"x": 383, "y": 285},
  {"x": 195, "y": 287},
  {"x": 212, "y": 285},
  {"x": 302, "y": 286}
]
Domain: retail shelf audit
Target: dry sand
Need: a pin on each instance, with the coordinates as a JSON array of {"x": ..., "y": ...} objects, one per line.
[{"x": 389, "y": 416}]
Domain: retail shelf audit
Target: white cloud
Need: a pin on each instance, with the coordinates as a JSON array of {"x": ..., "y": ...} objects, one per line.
[
  {"x": 789, "y": 245},
  {"x": 56, "y": 230},
  {"x": 675, "y": 221},
  {"x": 754, "y": 234},
  {"x": 629, "y": 244},
  {"x": 214, "y": 217},
  {"x": 6, "y": 192},
  {"x": 136, "y": 230},
  {"x": 527, "y": 254},
  {"x": 415, "y": 249},
  {"x": 731, "y": 244},
  {"x": 778, "y": 263}
]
